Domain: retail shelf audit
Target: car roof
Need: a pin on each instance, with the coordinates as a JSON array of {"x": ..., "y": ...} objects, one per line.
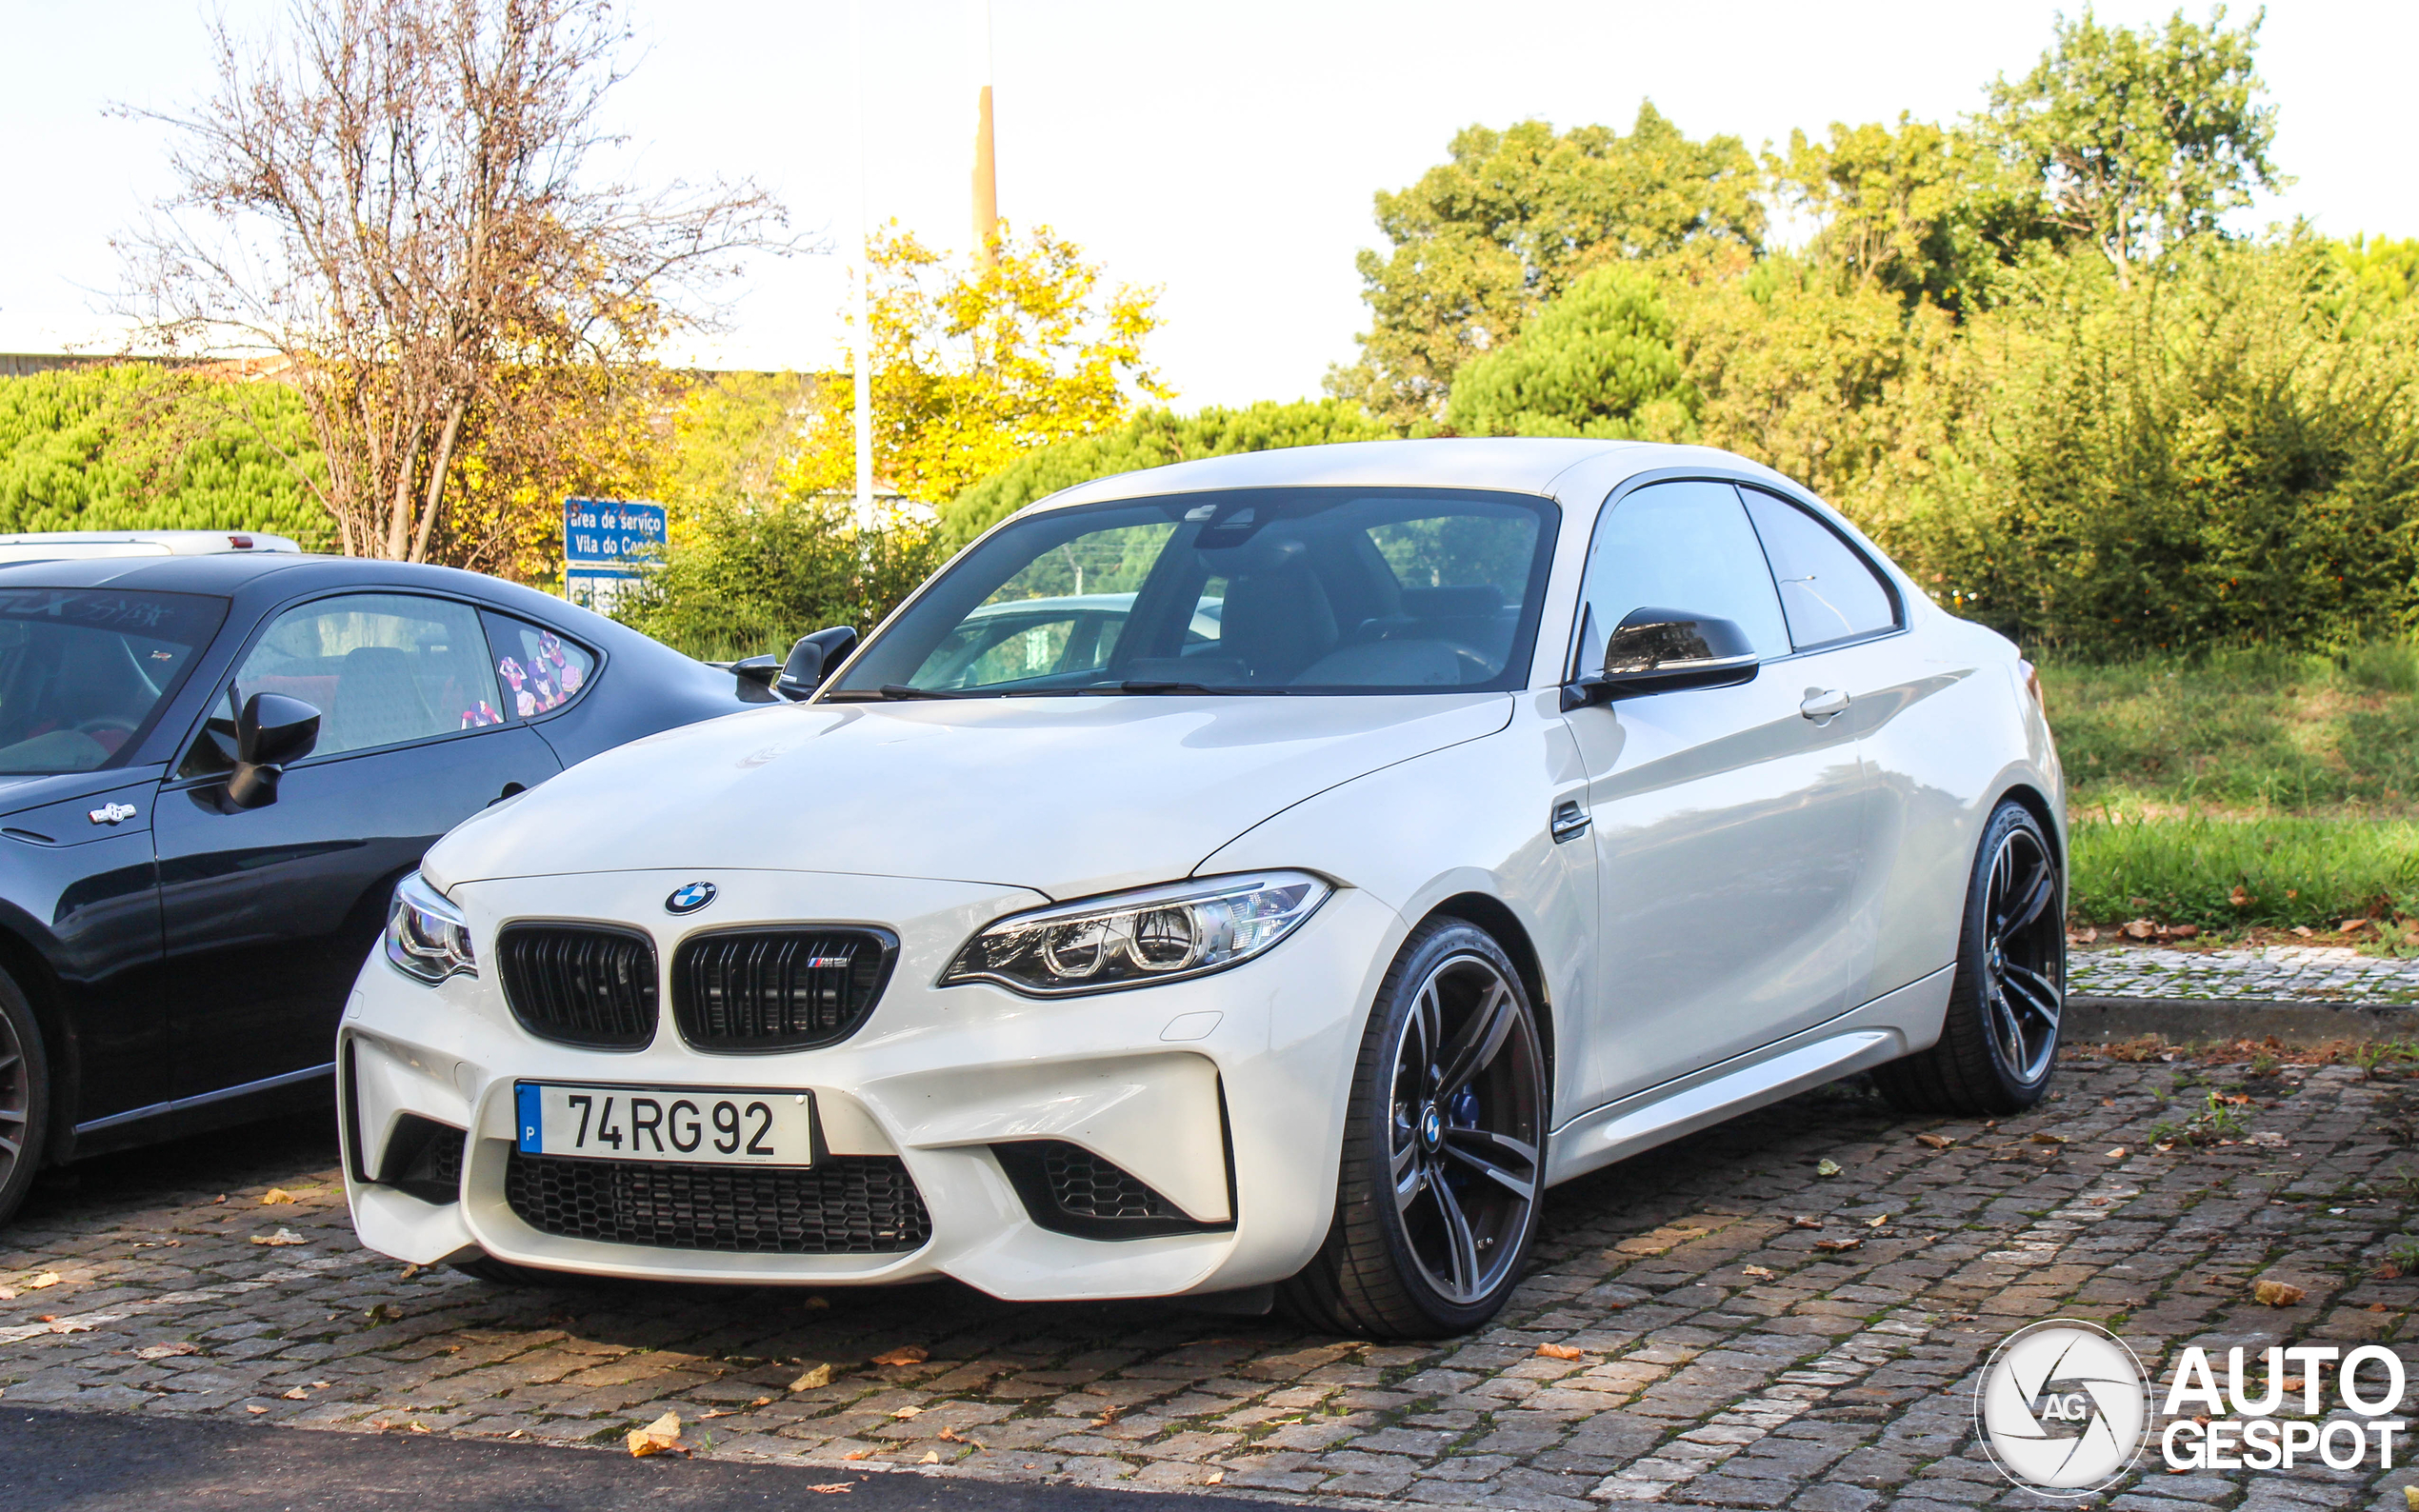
[
  {"x": 50, "y": 545},
  {"x": 230, "y": 573},
  {"x": 1515, "y": 463}
]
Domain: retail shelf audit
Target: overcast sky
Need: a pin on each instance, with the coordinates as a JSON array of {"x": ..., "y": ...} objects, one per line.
[{"x": 1227, "y": 152}]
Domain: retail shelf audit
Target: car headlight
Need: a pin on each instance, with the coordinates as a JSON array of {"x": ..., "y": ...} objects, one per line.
[
  {"x": 427, "y": 937},
  {"x": 1133, "y": 939}
]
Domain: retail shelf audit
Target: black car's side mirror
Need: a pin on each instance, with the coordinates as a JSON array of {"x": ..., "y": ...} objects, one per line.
[
  {"x": 758, "y": 669},
  {"x": 1663, "y": 651},
  {"x": 802, "y": 673},
  {"x": 272, "y": 730}
]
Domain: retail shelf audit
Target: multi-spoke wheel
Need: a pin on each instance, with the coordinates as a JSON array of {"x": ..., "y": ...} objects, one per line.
[
  {"x": 1442, "y": 1148},
  {"x": 1998, "y": 1048},
  {"x": 25, "y": 1097}
]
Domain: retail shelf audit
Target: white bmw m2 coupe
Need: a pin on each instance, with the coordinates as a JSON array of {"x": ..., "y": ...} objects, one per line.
[{"x": 1262, "y": 876}]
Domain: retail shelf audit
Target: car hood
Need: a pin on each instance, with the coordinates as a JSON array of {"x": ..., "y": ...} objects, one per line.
[{"x": 1067, "y": 797}]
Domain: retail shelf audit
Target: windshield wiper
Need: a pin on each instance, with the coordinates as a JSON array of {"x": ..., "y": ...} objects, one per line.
[
  {"x": 890, "y": 691},
  {"x": 1148, "y": 686}
]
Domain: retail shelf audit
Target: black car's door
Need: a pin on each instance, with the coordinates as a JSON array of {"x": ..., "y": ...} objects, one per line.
[{"x": 268, "y": 913}]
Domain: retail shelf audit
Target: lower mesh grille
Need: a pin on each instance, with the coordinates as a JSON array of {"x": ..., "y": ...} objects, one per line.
[
  {"x": 580, "y": 984},
  {"x": 1088, "y": 1186},
  {"x": 1069, "y": 1189},
  {"x": 850, "y": 1204}
]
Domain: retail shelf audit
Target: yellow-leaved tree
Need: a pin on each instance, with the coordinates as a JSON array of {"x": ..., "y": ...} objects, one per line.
[{"x": 975, "y": 366}]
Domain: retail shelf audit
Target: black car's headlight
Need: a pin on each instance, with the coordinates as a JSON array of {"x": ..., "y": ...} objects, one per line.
[
  {"x": 427, "y": 937},
  {"x": 1133, "y": 939}
]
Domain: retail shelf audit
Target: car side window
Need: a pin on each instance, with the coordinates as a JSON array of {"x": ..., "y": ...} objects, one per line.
[
  {"x": 1827, "y": 590},
  {"x": 1678, "y": 545},
  {"x": 540, "y": 670},
  {"x": 382, "y": 668}
]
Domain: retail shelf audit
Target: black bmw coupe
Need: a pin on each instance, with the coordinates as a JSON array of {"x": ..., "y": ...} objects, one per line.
[{"x": 214, "y": 768}]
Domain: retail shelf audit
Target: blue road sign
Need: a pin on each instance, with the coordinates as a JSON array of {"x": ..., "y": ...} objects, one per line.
[{"x": 604, "y": 543}]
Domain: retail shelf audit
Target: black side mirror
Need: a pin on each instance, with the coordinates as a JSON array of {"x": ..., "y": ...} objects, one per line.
[
  {"x": 272, "y": 730},
  {"x": 802, "y": 673},
  {"x": 758, "y": 669},
  {"x": 1663, "y": 651}
]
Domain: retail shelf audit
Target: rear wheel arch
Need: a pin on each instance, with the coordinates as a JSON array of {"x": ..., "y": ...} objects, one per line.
[{"x": 2036, "y": 804}]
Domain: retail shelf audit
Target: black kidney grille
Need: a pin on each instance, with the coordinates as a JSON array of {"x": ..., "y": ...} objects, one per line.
[
  {"x": 579, "y": 984},
  {"x": 790, "y": 989},
  {"x": 848, "y": 1204}
]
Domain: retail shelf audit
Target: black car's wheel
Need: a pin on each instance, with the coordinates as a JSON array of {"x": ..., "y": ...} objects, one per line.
[
  {"x": 1999, "y": 1046},
  {"x": 1443, "y": 1146},
  {"x": 24, "y": 1098}
]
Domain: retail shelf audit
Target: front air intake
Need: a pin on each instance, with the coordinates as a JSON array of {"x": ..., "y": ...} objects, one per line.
[
  {"x": 1069, "y": 1189},
  {"x": 844, "y": 1205},
  {"x": 778, "y": 989},
  {"x": 585, "y": 985}
]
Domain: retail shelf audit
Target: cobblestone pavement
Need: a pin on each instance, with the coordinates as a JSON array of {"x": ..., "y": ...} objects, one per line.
[
  {"x": 1720, "y": 1323},
  {"x": 2267, "y": 973}
]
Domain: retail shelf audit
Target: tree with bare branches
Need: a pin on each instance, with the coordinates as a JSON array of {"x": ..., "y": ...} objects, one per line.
[{"x": 390, "y": 203}]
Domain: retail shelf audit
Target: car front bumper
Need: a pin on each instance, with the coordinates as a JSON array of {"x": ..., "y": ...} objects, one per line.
[{"x": 1224, "y": 1094}]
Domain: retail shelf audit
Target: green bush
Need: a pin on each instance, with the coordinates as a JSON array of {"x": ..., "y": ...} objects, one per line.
[
  {"x": 132, "y": 446},
  {"x": 1151, "y": 439},
  {"x": 756, "y": 577}
]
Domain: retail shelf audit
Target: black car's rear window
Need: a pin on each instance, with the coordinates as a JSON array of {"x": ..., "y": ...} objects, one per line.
[{"x": 84, "y": 670}]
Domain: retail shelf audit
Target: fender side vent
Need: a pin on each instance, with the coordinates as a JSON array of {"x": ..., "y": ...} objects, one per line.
[
  {"x": 423, "y": 1159},
  {"x": 1069, "y": 1189}
]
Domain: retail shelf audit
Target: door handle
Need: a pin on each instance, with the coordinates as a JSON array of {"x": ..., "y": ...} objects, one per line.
[
  {"x": 1570, "y": 821},
  {"x": 1822, "y": 702}
]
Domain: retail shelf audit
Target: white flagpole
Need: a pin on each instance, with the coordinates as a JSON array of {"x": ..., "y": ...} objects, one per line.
[{"x": 858, "y": 273}]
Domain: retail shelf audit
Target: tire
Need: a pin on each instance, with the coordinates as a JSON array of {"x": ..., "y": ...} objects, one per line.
[
  {"x": 1441, "y": 1256},
  {"x": 1998, "y": 1048},
  {"x": 24, "y": 1098}
]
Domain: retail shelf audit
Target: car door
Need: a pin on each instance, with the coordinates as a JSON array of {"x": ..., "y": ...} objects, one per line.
[
  {"x": 268, "y": 913},
  {"x": 1728, "y": 822}
]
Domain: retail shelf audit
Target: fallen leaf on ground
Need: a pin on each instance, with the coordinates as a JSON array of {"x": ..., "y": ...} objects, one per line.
[
  {"x": 409, "y": 1271},
  {"x": 719, "y": 1412},
  {"x": 1800, "y": 1220},
  {"x": 909, "y": 1412},
  {"x": 2303, "y": 930},
  {"x": 2044, "y": 1137},
  {"x": 254, "y": 1407},
  {"x": 2411, "y": 1497},
  {"x": 2082, "y": 936},
  {"x": 1938, "y": 1142},
  {"x": 2352, "y": 926},
  {"x": 2117, "y": 1154},
  {"x": 819, "y": 1375},
  {"x": 1758, "y": 1272},
  {"x": 829, "y": 1487},
  {"x": 2389, "y": 1271},
  {"x": 903, "y": 1355},
  {"x": 856, "y": 1454},
  {"x": 659, "y": 1437},
  {"x": 8, "y": 1294},
  {"x": 417, "y": 1426},
  {"x": 64, "y": 1326},
  {"x": 166, "y": 1351},
  {"x": 1561, "y": 1352},
  {"x": 319, "y": 1385},
  {"x": 2186, "y": 932},
  {"x": 1836, "y": 1245},
  {"x": 2278, "y": 1293},
  {"x": 2239, "y": 898},
  {"x": 1877, "y": 1220},
  {"x": 760, "y": 1402},
  {"x": 276, "y": 1195},
  {"x": 1216, "y": 1478},
  {"x": 48, "y": 1278},
  {"x": 295, "y": 1394},
  {"x": 2139, "y": 929},
  {"x": 930, "y": 1457},
  {"x": 950, "y": 1435},
  {"x": 220, "y": 1197},
  {"x": 1827, "y": 1167},
  {"x": 283, "y": 1236}
]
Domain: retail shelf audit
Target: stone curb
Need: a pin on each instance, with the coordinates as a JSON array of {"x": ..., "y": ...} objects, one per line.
[{"x": 2092, "y": 1020}]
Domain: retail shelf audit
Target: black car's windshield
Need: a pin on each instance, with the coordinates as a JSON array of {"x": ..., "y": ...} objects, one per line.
[
  {"x": 83, "y": 670},
  {"x": 1257, "y": 590}
]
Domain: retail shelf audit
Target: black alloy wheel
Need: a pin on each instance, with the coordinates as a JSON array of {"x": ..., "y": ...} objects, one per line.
[
  {"x": 24, "y": 1098},
  {"x": 1998, "y": 1048},
  {"x": 1444, "y": 1147}
]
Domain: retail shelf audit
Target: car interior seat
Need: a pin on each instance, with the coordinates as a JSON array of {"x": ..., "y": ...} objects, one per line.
[{"x": 377, "y": 702}]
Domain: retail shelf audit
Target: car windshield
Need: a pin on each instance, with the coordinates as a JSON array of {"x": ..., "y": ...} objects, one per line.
[
  {"x": 83, "y": 670},
  {"x": 1259, "y": 591}
]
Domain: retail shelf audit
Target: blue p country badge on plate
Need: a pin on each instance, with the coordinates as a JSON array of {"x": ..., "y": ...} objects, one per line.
[{"x": 526, "y": 1108}]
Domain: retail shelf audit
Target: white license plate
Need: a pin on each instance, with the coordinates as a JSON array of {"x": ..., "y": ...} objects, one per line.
[{"x": 701, "y": 1125}]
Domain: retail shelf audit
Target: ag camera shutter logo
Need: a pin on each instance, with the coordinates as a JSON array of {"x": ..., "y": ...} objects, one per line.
[{"x": 2063, "y": 1406}]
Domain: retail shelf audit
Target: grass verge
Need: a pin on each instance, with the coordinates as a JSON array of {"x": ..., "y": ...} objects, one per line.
[{"x": 2226, "y": 874}]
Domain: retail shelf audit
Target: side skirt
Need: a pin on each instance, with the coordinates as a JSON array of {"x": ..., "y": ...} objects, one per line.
[{"x": 1893, "y": 1025}]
